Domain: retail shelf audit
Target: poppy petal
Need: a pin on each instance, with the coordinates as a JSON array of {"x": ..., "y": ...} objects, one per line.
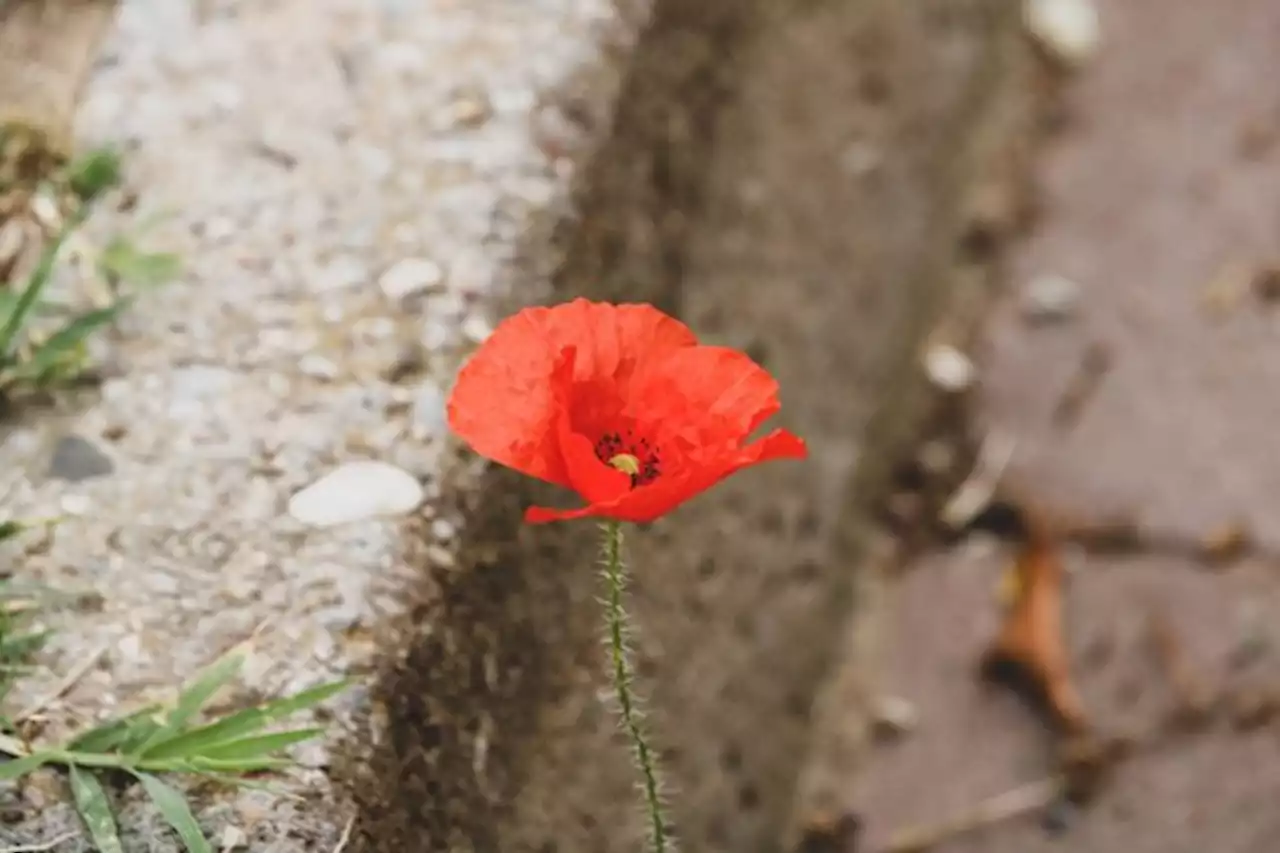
[
  {"x": 713, "y": 396},
  {"x": 508, "y": 399},
  {"x": 665, "y": 494},
  {"x": 611, "y": 340},
  {"x": 591, "y": 478}
]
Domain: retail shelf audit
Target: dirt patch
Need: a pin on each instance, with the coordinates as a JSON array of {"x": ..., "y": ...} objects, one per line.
[
  {"x": 819, "y": 183},
  {"x": 46, "y": 51}
]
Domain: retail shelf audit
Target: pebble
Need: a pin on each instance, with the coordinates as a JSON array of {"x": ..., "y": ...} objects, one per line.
[
  {"x": 318, "y": 367},
  {"x": 443, "y": 529},
  {"x": 45, "y": 210},
  {"x": 1050, "y": 298},
  {"x": 470, "y": 110},
  {"x": 75, "y": 505},
  {"x": 76, "y": 459},
  {"x": 440, "y": 557},
  {"x": 312, "y": 754},
  {"x": 354, "y": 492},
  {"x": 1068, "y": 30},
  {"x": 430, "y": 418},
  {"x": 233, "y": 838},
  {"x": 948, "y": 368},
  {"x": 409, "y": 277},
  {"x": 476, "y": 328},
  {"x": 895, "y": 717},
  {"x": 342, "y": 272}
]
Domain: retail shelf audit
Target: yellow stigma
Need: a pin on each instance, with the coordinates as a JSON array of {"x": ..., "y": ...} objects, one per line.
[{"x": 626, "y": 463}]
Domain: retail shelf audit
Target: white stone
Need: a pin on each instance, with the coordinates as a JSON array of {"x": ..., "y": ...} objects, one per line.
[
  {"x": 476, "y": 328},
  {"x": 318, "y": 367},
  {"x": 354, "y": 492},
  {"x": 895, "y": 716},
  {"x": 409, "y": 277},
  {"x": 232, "y": 838},
  {"x": 948, "y": 368},
  {"x": 443, "y": 529},
  {"x": 75, "y": 505},
  {"x": 1068, "y": 30},
  {"x": 45, "y": 209},
  {"x": 1050, "y": 298}
]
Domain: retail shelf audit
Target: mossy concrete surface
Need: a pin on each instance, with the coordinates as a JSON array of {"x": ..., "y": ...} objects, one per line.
[{"x": 814, "y": 183}]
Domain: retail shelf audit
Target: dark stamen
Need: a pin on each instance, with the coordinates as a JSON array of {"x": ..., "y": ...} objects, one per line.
[{"x": 612, "y": 445}]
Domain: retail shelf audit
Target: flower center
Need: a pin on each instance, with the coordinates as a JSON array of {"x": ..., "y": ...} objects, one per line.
[
  {"x": 633, "y": 458},
  {"x": 626, "y": 463}
]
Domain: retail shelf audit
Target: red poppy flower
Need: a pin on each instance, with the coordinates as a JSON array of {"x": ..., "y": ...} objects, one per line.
[{"x": 617, "y": 402}]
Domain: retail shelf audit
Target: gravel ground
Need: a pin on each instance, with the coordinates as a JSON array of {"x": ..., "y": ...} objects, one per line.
[{"x": 346, "y": 182}]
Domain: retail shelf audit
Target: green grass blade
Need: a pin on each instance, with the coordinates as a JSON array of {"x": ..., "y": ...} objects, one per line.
[
  {"x": 259, "y": 745},
  {"x": 16, "y": 589},
  {"x": 66, "y": 340},
  {"x": 122, "y": 261},
  {"x": 19, "y": 647},
  {"x": 173, "y": 807},
  {"x": 242, "y": 723},
  {"x": 194, "y": 698},
  {"x": 95, "y": 810},
  {"x": 94, "y": 173},
  {"x": 118, "y": 734},
  {"x": 9, "y": 300},
  {"x": 12, "y": 769},
  {"x": 200, "y": 764},
  {"x": 31, "y": 293},
  {"x": 17, "y": 669}
]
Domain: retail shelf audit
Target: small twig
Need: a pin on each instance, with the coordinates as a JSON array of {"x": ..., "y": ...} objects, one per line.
[
  {"x": 997, "y": 809},
  {"x": 42, "y": 846},
  {"x": 976, "y": 492},
  {"x": 1094, "y": 366},
  {"x": 344, "y": 839},
  {"x": 63, "y": 686}
]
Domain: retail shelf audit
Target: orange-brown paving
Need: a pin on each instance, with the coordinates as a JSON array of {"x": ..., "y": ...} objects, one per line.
[{"x": 1167, "y": 167}]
